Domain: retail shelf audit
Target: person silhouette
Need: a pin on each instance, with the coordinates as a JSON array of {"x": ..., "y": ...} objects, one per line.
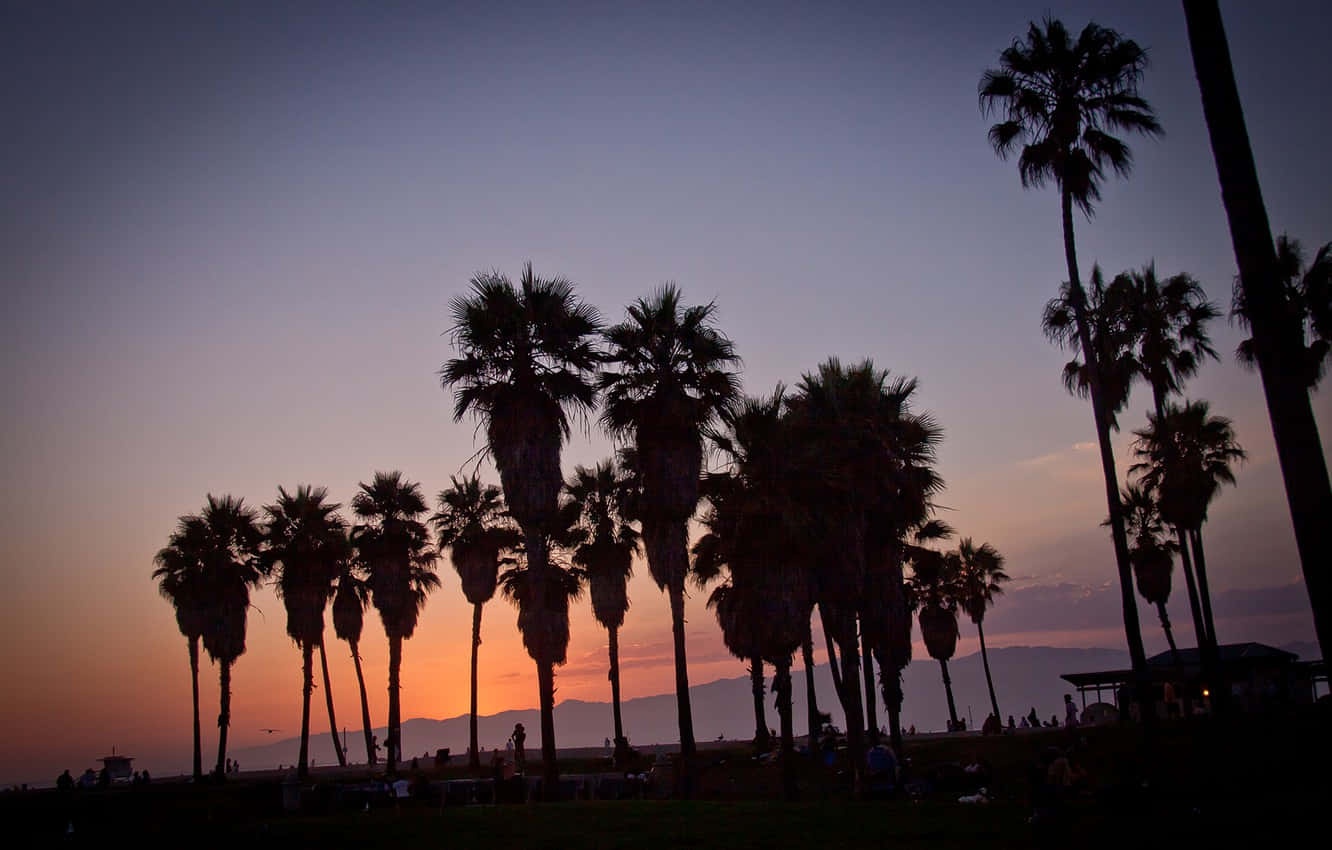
[
  {"x": 519, "y": 737},
  {"x": 65, "y": 782}
]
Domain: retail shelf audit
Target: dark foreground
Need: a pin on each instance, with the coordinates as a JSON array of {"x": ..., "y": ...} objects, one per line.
[{"x": 1218, "y": 784}]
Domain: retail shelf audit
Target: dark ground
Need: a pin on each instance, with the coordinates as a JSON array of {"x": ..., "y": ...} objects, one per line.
[{"x": 1250, "y": 781}]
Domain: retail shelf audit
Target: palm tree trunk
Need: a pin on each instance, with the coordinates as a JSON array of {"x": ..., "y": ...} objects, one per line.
[
  {"x": 948, "y": 689},
  {"x": 1170, "y": 637},
  {"x": 394, "y": 719},
  {"x": 307, "y": 685},
  {"x": 891, "y": 680},
  {"x": 855, "y": 717},
  {"x": 1277, "y": 344},
  {"x": 682, "y": 677},
  {"x": 761, "y": 741},
  {"x": 550, "y": 768},
  {"x": 474, "y": 753},
  {"x": 782, "y": 686},
  {"x": 1200, "y": 562},
  {"x": 867, "y": 667},
  {"x": 985, "y": 662},
  {"x": 194, "y": 684},
  {"x": 365, "y": 707},
  {"x": 1191, "y": 585},
  {"x": 811, "y": 698},
  {"x": 328, "y": 698},
  {"x": 223, "y": 717},
  {"x": 833, "y": 666},
  {"x": 621, "y": 743},
  {"x": 1101, "y": 415}
]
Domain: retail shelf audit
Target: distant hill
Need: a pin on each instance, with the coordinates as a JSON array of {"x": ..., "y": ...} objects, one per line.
[{"x": 1024, "y": 677}]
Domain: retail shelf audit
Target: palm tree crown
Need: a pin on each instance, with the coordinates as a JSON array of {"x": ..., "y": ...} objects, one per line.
[
  {"x": 606, "y": 542},
  {"x": 527, "y": 358},
  {"x": 307, "y": 545},
  {"x": 1185, "y": 459},
  {"x": 1306, "y": 300},
  {"x": 1168, "y": 320},
  {"x": 981, "y": 578},
  {"x": 473, "y": 525},
  {"x": 1061, "y": 100},
  {"x": 394, "y": 550}
]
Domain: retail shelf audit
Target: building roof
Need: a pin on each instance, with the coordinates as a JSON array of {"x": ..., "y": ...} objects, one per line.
[{"x": 1164, "y": 666}]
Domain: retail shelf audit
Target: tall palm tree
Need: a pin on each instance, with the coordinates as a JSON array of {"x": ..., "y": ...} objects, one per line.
[
  {"x": 1278, "y": 341},
  {"x": 669, "y": 376},
  {"x": 1152, "y": 553},
  {"x": 393, "y": 548},
  {"x": 526, "y": 362},
  {"x": 349, "y": 604},
  {"x": 1184, "y": 459},
  {"x": 863, "y": 460},
  {"x": 762, "y": 537},
  {"x": 597, "y": 507},
  {"x": 1167, "y": 322},
  {"x": 179, "y": 574},
  {"x": 936, "y": 586},
  {"x": 231, "y": 568},
  {"x": 982, "y": 579},
  {"x": 1060, "y": 100},
  {"x": 307, "y": 547},
  {"x": 473, "y": 526},
  {"x": 1306, "y": 294}
]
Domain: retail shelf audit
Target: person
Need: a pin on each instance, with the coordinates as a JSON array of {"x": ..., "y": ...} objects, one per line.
[
  {"x": 1034, "y": 719},
  {"x": 1025, "y": 724},
  {"x": 65, "y": 782},
  {"x": 607, "y": 744},
  {"x": 228, "y": 770},
  {"x": 146, "y": 777},
  {"x": 88, "y": 779},
  {"x": 1012, "y": 727},
  {"x": 519, "y": 737},
  {"x": 882, "y": 764},
  {"x": 1070, "y": 711},
  {"x": 912, "y": 730}
]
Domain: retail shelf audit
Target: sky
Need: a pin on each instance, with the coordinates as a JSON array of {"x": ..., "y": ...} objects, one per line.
[{"x": 230, "y": 232}]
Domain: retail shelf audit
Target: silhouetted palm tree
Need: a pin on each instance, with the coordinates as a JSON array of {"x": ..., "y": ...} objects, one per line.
[
  {"x": 1306, "y": 294},
  {"x": 1167, "y": 321},
  {"x": 307, "y": 546},
  {"x": 179, "y": 574},
  {"x": 981, "y": 579},
  {"x": 1277, "y": 340},
  {"x": 1184, "y": 459},
  {"x": 605, "y": 551},
  {"x": 393, "y": 549},
  {"x": 349, "y": 603},
  {"x": 231, "y": 567},
  {"x": 1112, "y": 338},
  {"x": 762, "y": 537},
  {"x": 863, "y": 462},
  {"x": 473, "y": 526},
  {"x": 670, "y": 375},
  {"x": 526, "y": 361},
  {"x": 1061, "y": 100},
  {"x": 936, "y": 586},
  {"x": 1152, "y": 553}
]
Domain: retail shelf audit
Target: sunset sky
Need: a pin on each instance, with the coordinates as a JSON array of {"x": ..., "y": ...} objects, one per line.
[{"x": 230, "y": 232}]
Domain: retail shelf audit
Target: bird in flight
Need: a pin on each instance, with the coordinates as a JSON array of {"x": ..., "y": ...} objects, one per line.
[{"x": 270, "y": 731}]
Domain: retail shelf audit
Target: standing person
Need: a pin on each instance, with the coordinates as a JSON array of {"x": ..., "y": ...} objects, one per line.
[
  {"x": 1070, "y": 711},
  {"x": 519, "y": 737}
]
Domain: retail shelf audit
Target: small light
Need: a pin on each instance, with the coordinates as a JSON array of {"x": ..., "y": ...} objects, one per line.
[{"x": 1206, "y": 692}]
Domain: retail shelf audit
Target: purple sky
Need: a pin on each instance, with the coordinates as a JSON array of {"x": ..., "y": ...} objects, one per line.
[{"x": 230, "y": 234}]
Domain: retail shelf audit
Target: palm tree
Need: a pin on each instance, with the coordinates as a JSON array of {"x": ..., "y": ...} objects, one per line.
[
  {"x": 526, "y": 362},
  {"x": 179, "y": 575},
  {"x": 762, "y": 537},
  {"x": 597, "y": 507},
  {"x": 1278, "y": 341},
  {"x": 1184, "y": 459},
  {"x": 1112, "y": 339},
  {"x": 472, "y": 525},
  {"x": 232, "y": 566},
  {"x": 307, "y": 546},
  {"x": 1152, "y": 554},
  {"x": 1061, "y": 99},
  {"x": 982, "y": 579},
  {"x": 936, "y": 586},
  {"x": 1306, "y": 294},
  {"x": 863, "y": 463},
  {"x": 670, "y": 375},
  {"x": 349, "y": 603},
  {"x": 1167, "y": 321},
  {"x": 393, "y": 548}
]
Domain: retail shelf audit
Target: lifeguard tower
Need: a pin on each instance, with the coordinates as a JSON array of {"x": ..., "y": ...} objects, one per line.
[{"x": 118, "y": 767}]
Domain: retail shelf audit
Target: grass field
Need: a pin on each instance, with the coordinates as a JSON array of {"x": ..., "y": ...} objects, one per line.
[{"x": 1207, "y": 783}]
